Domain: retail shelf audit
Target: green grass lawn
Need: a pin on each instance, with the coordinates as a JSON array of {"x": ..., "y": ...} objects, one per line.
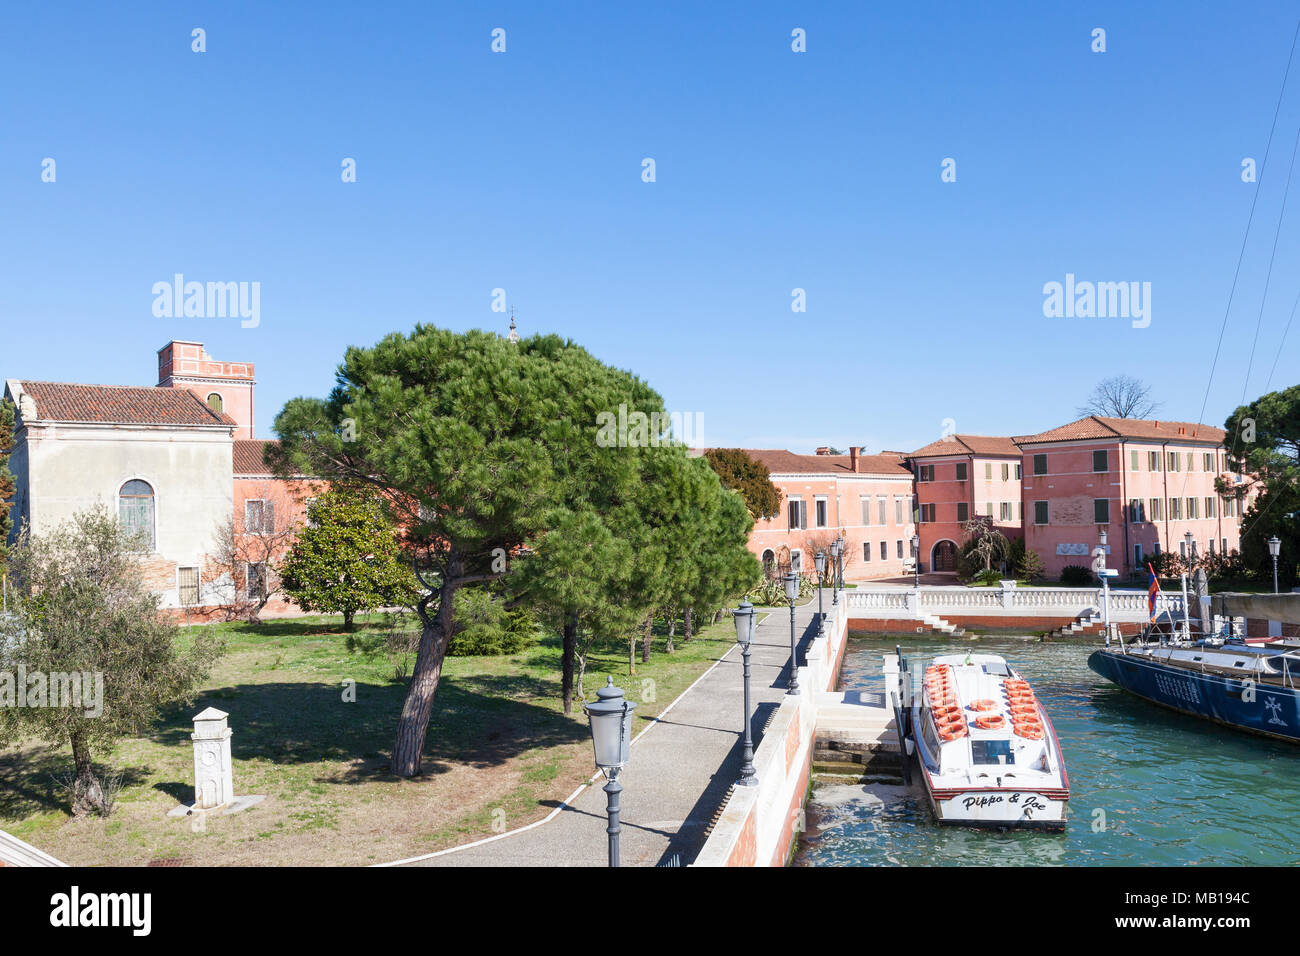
[{"x": 500, "y": 753}]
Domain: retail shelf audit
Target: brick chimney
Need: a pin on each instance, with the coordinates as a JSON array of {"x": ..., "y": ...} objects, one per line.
[
  {"x": 853, "y": 457},
  {"x": 823, "y": 450}
]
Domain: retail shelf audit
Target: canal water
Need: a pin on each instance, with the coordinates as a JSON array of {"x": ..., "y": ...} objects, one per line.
[{"x": 1147, "y": 786}]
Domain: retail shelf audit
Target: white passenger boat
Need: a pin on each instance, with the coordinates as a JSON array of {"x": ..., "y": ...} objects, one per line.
[{"x": 985, "y": 745}]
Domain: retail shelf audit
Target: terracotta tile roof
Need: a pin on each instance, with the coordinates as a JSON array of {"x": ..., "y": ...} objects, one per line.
[
  {"x": 782, "y": 462},
  {"x": 991, "y": 445},
  {"x": 1096, "y": 426},
  {"x": 121, "y": 405},
  {"x": 248, "y": 457}
]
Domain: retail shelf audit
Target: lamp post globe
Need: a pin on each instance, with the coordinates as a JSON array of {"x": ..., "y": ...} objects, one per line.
[
  {"x": 610, "y": 717},
  {"x": 744, "y": 620},
  {"x": 792, "y": 593}
]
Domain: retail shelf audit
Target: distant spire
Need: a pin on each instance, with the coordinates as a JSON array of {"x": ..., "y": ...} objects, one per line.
[{"x": 513, "y": 336}]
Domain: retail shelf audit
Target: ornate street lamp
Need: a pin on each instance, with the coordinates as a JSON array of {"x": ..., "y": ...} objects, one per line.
[
  {"x": 744, "y": 620},
  {"x": 819, "y": 561},
  {"x": 916, "y": 558},
  {"x": 792, "y": 593},
  {"x": 611, "y": 736},
  {"x": 1274, "y": 548},
  {"x": 835, "y": 556},
  {"x": 1191, "y": 545}
]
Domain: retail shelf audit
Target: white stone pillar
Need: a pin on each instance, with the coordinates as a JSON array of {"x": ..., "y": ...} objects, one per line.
[{"x": 213, "y": 775}]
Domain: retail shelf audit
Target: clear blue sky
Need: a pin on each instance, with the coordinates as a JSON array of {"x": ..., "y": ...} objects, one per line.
[{"x": 775, "y": 170}]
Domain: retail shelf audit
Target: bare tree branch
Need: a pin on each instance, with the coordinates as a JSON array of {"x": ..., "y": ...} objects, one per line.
[{"x": 1120, "y": 396}]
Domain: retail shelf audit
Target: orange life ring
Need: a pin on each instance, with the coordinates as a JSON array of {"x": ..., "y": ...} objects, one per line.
[
  {"x": 1032, "y": 732},
  {"x": 984, "y": 705},
  {"x": 990, "y": 722}
]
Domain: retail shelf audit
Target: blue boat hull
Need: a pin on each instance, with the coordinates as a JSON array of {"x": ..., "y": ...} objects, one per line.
[{"x": 1274, "y": 711}]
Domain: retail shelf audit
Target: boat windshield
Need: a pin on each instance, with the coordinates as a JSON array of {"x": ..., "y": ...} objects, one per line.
[
  {"x": 997, "y": 669},
  {"x": 992, "y": 752}
]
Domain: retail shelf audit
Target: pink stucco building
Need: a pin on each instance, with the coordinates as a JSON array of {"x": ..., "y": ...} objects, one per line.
[
  {"x": 1146, "y": 482},
  {"x": 868, "y": 498},
  {"x": 957, "y": 478}
]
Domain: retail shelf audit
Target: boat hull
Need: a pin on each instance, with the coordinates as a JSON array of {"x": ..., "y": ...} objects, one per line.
[
  {"x": 1000, "y": 809},
  {"x": 1273, "y": 712}
]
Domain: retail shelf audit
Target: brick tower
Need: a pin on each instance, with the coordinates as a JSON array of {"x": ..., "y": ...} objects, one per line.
[{"x": 225, "y": 386}]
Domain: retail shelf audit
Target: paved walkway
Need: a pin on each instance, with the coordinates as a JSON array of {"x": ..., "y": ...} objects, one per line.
[{"x": 679, "y": 771}]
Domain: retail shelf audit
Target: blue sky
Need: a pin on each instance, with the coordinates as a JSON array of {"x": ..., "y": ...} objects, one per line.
[{"x": 774, "y": 171}]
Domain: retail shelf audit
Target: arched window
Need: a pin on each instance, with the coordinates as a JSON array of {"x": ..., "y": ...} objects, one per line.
[
  {"x": 135, "y": 511},
  {"x": 769, "y": 562},
  {"x": 215, "y": 403}
]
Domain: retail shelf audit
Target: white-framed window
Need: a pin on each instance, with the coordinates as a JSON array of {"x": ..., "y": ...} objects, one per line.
[
  {"x": 866, "y": 550},
  {"x": 925, "y": 473},
  {"x": 1156, "y": 511},
  {"x": 898, "y": 511},
  {"x": 798, "y": 513},
  {"x": 988, "y": 471},
  {"x": 136, "y": 512},
  {"x": 900, "y": 548},
  {"x": 820, "y": 510},
  {"x": 1175, "y": 509},
  {"x": 187, "y": 586},
  {"x": 1004, "y": 511},
  {"x": 880, "y": 511},
  {"x": 1132, "y": 460},
  {"x": 884, "y": 551},
  {"x": 1209, "y": 507},
  {"x": 865, "y": 501},
  {"x": 796, "y": 561},
  {"x": 769, "y": 561},
  {"x": 1006, "y": 471},
  {"x": 1137, "y": 555},
  {"x": 259, "y": 516},
  {"x": 1153, "y": 461},
  {"x": 1192, "y": 508}
]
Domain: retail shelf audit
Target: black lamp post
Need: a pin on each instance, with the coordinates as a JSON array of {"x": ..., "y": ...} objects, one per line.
[
  {"x": 744, "y": 619},
  {"x": 820, "y": 562},
  {"x": 792, "y": 593},
  {"x": 835, "y": 550},
  {"x": 611, "y": 736},
  {"x": 1274, "y": 548},
  {"x": 916, "y": 559}
]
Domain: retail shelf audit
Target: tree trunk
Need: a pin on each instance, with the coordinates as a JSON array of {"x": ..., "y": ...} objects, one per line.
[
  {"x": 570, "y": 645},
  {"x": 647, "y": 635},
  {"x": 348, "y": 617},
  {"x": 687, "y": 630},
  {"x": 87, "y": 792},
  {"x": 413, "y": 725},
  {"x": 672, "y": 628},
  {"x": 631, "y": 654}
]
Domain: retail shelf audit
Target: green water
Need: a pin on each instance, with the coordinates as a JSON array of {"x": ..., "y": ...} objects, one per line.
[{"x": 1147, "y": 786}]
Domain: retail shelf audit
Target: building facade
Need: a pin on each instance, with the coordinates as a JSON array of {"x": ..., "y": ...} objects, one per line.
[
  {"x": 1146, "y": 483},
  {"x": 171, "y": 462},
  {"x": 958, "y": 478},
  {"x": 866, "y": 498}
]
